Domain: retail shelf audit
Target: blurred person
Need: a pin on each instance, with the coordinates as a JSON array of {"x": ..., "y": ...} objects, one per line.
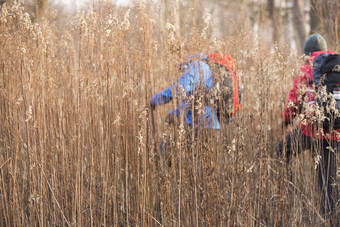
[
  {"x": 208, "y": 81},
  {"x": 208, "y": 94},
  {"x": 307, "y": 135}
]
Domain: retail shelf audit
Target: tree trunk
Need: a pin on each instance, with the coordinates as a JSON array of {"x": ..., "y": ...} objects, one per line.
[
  {"x": 39, "y": 8},
  {"x": 300, "y": 24},
  {"x": 274, "y": 17},
  {"x": 1, "y": 3},
  {"x": 176, "y": 17},
  {"x": 314, "y": 19}
]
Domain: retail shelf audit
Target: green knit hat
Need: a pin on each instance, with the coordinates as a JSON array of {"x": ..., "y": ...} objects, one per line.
[{"x": 314, "y": 42}]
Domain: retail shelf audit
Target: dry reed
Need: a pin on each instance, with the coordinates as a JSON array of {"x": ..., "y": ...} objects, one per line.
[{"x": 79, "y": 145}]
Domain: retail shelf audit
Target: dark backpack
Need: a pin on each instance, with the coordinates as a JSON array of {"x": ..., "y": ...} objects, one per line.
[
  {"x": 221, "y": 95},
  {"x": 226, "y": 94},
  {"x": 326, "y": 76}
]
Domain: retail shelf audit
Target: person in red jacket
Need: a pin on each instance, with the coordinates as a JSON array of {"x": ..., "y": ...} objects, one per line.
[{"x": 307, "y": 135}]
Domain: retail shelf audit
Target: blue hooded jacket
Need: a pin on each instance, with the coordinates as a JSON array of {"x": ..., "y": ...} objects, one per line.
[{"x": 197, "y": 74}]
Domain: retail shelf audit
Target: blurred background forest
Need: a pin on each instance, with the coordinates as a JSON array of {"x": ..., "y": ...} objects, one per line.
[
  {"x": 80, "y": 147},
  {"x": 281, "y": 21}
]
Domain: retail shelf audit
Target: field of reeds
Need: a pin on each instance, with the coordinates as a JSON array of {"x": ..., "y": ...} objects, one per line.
[{"x": 80, "y": 146}]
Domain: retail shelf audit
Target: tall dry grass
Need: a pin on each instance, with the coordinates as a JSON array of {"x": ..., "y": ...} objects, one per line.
[{"x": 79, "y": 145}]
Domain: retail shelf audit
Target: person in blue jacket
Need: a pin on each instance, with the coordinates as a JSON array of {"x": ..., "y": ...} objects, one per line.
[{"x": 196, "y": 79}]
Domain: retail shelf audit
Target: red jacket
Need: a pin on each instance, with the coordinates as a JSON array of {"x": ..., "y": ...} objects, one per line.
[{"x": 303, "y": 84}]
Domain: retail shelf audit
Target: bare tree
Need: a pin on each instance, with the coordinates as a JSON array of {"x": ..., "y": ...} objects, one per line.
[
  {"x": 273, "y": 13},
  {"x": 300, "y": 23},
  {"x": 1, "y": 3},
  {"x": 39, "y": 8},
  {"x": 328, "y": 13},
  {"x": 176, "y": 16}
]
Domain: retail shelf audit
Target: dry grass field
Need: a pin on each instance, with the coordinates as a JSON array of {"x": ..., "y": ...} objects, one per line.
[{"x": 79, "y": 145}]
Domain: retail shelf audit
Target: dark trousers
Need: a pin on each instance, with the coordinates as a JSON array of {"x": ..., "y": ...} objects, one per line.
[{"x": 325, "y": 152}]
